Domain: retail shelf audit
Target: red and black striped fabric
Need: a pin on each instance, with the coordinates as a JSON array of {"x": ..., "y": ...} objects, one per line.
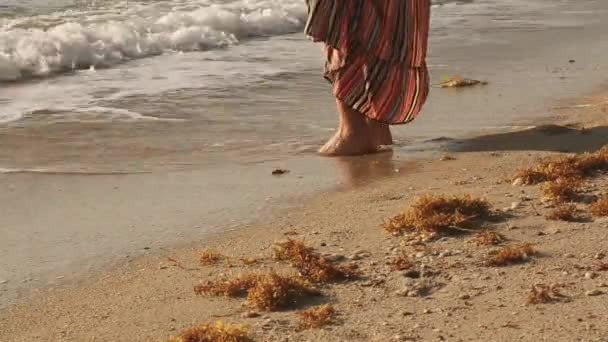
[{"x": 376, "y": 51}]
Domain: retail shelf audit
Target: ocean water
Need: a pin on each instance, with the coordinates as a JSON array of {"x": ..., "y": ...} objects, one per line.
[{"x": 130, "y": 85}]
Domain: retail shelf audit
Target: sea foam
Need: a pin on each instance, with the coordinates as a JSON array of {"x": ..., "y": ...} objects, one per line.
[{"x": 74, "y": 42}]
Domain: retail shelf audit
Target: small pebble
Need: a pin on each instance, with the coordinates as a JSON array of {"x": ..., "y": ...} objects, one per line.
[
  {"x": 595, "y": 292},
  {"x": 517, "y": 182},
  {"x": 590, "y": 275},
  {"x": 464, "y": 297},
  {"x": 279, "y": 172},
  {"x": 403, "y": 292},
  {"x": 599, "y": 256},
  {"x": 568, "y": 255},
  {"x": 414, "y": 274},
  {"x": 334, "y": 257},
  {"x": 2, "y": 282},
  {"x": 250, "y": 314}
]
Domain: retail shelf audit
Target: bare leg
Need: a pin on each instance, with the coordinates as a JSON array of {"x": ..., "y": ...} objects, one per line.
[
  {"x": 354, "y": 136},
  {"x": 382, "y": 132}
]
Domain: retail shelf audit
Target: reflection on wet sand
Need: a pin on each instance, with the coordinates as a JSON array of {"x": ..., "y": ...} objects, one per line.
[{"x": 363, "y": 170}]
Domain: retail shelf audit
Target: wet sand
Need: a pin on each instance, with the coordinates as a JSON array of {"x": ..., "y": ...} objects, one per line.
[
  {"x": 151, "y": 297},
  {"x": 115, "y": 196},
  {"x": 94, "y": 191}
]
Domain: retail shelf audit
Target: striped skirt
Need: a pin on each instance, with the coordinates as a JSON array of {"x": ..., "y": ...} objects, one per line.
[{"x": 376, "y": 51}]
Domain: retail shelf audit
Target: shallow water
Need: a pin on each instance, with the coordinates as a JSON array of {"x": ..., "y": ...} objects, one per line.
[
  {"x": 167, "y": 83},
  {"x": 157, "y": 122}
]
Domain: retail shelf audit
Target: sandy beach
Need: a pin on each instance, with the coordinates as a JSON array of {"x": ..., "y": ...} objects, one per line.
[
  {"x": 151, "y": 298},
  {"x": 126, "y": 156}
]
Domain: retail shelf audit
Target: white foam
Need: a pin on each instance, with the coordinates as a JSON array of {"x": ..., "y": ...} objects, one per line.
[
  {"x": 12, "y": 170},
  {"x": 72, "y": 42},
  {"x": 120, "y": 113}
]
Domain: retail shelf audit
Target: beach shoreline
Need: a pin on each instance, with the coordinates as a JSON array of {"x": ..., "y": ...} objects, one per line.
[
  {"x": 151, "y": 297},
  {"x": 98, "y": 165}
]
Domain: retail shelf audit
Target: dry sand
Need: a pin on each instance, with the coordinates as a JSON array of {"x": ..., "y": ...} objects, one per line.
[{"x": 152, "y": 298}]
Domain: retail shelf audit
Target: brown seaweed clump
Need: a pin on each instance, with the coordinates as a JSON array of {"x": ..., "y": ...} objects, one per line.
[
  {"x": 512, "y": 255},
  {"x": 400, "y": 263},
  {"x": 218, "y": 332},
  {"x": 269, "y": 292},
  {"x": 600, "y": 207},
  {"x": 317, "y": 317},
  {"x": 460, "y": 82},
  {"x": 310, "y": 264},
  {"x": 438, "y": 214},
  {"x": 209, "y": 257},
  {"x": 564, "y": 212},
  {"x": 274, "y": 292},
  {"x": 541, "y": 294},
  {"x": 236, "y": 287},
  {"x": 562, "y": 190},
  {"x": 570, "y": 167},
  {"x": 488, "y": 238}
]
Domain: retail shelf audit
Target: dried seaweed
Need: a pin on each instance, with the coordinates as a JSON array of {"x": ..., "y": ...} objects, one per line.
[
  {"x": 540, "y": 294},
  {"x": 400, "y": 263},
  {"x": 236, "y": 287},
  {"x": 274, "y": 292},
  {"x": 488, "y": 238},
  {"x": 317, "y": 317},
  {"x": 265, "y": 291},
  {"x": 218, "y": 332},
  {"x": 459, "y": 82},
  {"x": 562, "y": 189},
  {"x": 600, "y": 207},
  {"x": 570, "y": 167},
  {"x": 209, "y": 257},
  {"x": 512, "y": 255},
  {"x": 602, "y": 266},
  {"x": 311, "y": 265},
  {"x": 438, "y": 214},
  {"x": 565, "y": 212}
]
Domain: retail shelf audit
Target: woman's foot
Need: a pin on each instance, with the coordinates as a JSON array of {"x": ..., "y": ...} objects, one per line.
[
  {"x": 354, "y": 137},
  {"x": 382, "y": 133},
  {"x": 349, "y": 144}
]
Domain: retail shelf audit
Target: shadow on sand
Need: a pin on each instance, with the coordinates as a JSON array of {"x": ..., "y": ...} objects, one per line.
[{"x": 550, "y": 138}]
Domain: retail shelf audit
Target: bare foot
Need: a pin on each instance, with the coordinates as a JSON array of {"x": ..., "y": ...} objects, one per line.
[
  {"x": 355, "y": 135},
  {"x": 349, "y": 145},
  {"x": 382, "y": 133}
]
